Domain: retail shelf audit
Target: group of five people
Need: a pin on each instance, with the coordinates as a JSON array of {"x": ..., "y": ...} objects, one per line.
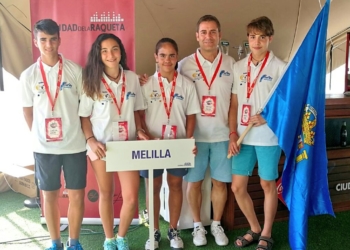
[{"x": 206, "y": 96}]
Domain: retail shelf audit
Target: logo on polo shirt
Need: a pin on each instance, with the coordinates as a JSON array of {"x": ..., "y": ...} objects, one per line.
[
  {"x": 40, "y": 88},
  {"x": 130, "y": 94},
  {"x": 224, "y": 73},
  {"x": 197, "y": 75},
  {"x": 243, "y": 78},
  {"x": 179, "y": 97},
  {"x": 105, "y": 97},
  {"x": 65, "y": 85},
  {"x": 155, "y": 96},
  {"x": 265, "y": 78}
]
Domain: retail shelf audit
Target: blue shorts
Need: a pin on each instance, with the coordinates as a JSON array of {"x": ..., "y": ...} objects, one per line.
[
  {"x": 267, "y": 157},
  {"x": 214, "y": 155},
  {"x": 48, "y": 169},
  {"x": 179, "y": 172}
]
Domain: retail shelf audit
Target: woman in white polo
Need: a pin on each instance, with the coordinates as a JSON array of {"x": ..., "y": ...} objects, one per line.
[
  {"x": 108, "y": 110},
  {"x": 171, "y": 108}
]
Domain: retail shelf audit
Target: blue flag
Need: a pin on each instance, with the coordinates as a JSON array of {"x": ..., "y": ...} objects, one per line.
[{"x": 295, "y": 112}]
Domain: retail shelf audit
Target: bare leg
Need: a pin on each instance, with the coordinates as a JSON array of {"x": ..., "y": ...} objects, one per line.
[
  {"x": 270, "y": 207},
  {"x": 75, "y": 211},
  {"x": 175, "y": 199},
  {"x": 105, "y": 182},
  {"x": 194, "y": 199},
  {"x": 218, "y": 198},
  {"x": 130, "y": 183},
  {"x": 52, "y": 213},
  {"x": 245, "y": 203}
]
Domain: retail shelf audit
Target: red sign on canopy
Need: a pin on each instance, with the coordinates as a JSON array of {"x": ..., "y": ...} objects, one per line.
[{"x": 81, "y": 21}]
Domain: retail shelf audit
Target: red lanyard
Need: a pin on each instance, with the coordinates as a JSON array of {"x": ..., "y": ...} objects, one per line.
[
  {"x": 46, "y": 85},
  {"x": 202, "y": 72},
  {"x": 167, "y": 109},
  {"x": 251, "y": 88},
  {"x": 119, "y": 108}
]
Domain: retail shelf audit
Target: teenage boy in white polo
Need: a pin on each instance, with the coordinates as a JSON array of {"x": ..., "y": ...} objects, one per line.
[
  {"x": 212, "y": 73},
  {"x": 51, "y": 88},
  {"x": 254, "y": 77}
]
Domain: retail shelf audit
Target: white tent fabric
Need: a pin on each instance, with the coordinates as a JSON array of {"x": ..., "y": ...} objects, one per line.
[
  {"x": 177, "y": 19},
  {"x": 16, "y": 39}
]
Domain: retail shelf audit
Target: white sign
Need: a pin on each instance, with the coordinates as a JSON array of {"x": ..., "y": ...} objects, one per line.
[{"x": 147, "y": 155}]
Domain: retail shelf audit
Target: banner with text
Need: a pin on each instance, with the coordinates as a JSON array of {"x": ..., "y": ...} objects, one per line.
[{"x": 81, "y": 21}]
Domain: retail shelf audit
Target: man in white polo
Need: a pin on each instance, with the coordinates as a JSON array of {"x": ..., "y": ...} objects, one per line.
[{"x": 212, "y": 73}]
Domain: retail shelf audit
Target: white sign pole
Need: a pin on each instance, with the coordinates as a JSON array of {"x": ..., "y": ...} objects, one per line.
[
  {"x": 151, "y": 208},
  {"x": 149, "y": 155}
]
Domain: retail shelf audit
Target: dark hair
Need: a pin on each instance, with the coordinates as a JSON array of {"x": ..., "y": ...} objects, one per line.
[
  {"x": 47, "y": 26},
  {"x": 209, "y": 18},
  {"x": 167, "y": 40},
  {"x": 262, "y": 24},
  {"x": 92, "y": 72}
]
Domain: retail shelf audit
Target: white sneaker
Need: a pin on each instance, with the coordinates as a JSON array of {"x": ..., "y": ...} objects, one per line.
[
  {"x": 148, "y": 245},
  {"x": 176, "y": 242},
  {"x": 219, "y": 234},
  {"x": 199, "y": 238},
  {"x": 157, "y": 238}
]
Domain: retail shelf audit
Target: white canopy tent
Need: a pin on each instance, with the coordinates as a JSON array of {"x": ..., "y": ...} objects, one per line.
[{"x": 177, "y": 19}]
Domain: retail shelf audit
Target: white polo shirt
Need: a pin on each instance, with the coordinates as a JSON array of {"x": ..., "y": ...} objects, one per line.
[
  {"x": 261, "y": 135},
  {"x": 66, "y": 107},
  {"x": 211, "y": 129},
  {"x": 103, "y": 111},
  {"x": 185, "y": 102}
]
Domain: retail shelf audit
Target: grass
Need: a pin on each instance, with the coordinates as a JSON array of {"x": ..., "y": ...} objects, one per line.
[{"x": 20, "y": 228}]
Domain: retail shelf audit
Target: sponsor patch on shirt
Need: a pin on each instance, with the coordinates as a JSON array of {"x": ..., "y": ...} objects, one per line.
[
  {"x": 39, "y": 87},
  {"x": 155, "y": 96},
  {"x": 130, "y": 94},
  {"x": 224, "y": 73},
  {"x": 197, "y": 75},
  {"x": 179, "y": 97},
  {"x": 65, "y": 85},
  {"x": 265, "y": 78},
  {"x": 105, "y": 97},
  {"x": 243, "y": 78}
]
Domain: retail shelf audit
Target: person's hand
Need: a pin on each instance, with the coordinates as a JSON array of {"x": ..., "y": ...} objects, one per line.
[
  {"x": 233, "y": 148},
  {"x": 257, "y": 120},
  {"x": 143, "y": 79},
  {"x": 194, "y": 150},
  {"x": 98, "y": 148},
  {"x": 142, "y": 135},
  {"x": 151, "y": 137}
]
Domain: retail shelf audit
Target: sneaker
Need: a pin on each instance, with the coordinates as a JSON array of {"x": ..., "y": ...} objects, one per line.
[
  {"x": 199, "y": 238},
  {"x": 157, "y": 238},
  {"x": 110, "y": 245},
  {"x": 75, "y": 247},
  {"x": 55, "y": 247},
  {"x": 122, "y": 243},
  {"x": 219, "y": 234},
  {"x": 175, "y": 240},
  {"x": 145, "y": 215}
]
